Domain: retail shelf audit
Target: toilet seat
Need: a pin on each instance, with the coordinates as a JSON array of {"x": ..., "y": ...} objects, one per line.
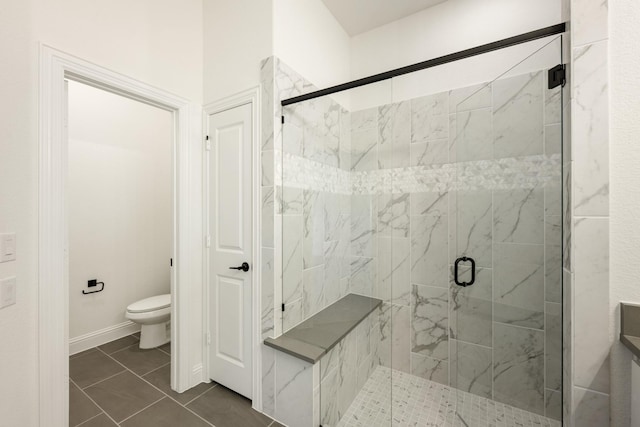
[
  {"x": 153, "y": 315},
  {"x": 150, "y": 304}
]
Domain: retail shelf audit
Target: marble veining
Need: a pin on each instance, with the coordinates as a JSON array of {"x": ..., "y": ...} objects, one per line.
[
  {"x": 294, "y": 403},
  {"x": 430, "y": 321},
  {"x": 590, "y": 106},
  {"x": 313, "y": 229},
  {"x": 519, "y": 287},
  {"x": 429, "y": 234},
  {"x": 473, "y": 135},
  {"x": 471, "y": 368},
  {"x": 518, "y": 367},
  {"x": 387, "y": 198},
  {"x": 430, "y": 117},
  {"x": 518, "y": 216},
  {"x": 518, "y": 115},
  {"x": 471, "y": 309},
  {"x": 394, "y": 282},
  {"x": 267, "y": 274},
  {"x": 393, "y": 215},
  {"x": 268, "y": 381},
  {"x": 394, "y": 138},
  {"x": 431, "y": 369},
  {"x": 291, "y": 258}
]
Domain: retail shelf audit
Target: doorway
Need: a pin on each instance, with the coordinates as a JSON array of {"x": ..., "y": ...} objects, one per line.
[
  {"x": 120, "y": 228},
  {"x": 120, "y": 207},
  {"x": 53, "y": 285}
]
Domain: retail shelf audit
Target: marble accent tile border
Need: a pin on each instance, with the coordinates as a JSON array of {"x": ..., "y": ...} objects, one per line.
[
  {"x": 297, "y": 172},
  {"x": 501, "y": 174}
]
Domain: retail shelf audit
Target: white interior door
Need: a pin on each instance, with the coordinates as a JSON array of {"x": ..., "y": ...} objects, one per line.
[{"x": 230, "y": 177}]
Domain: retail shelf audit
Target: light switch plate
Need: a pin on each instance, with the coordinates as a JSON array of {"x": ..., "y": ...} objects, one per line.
[
  {"x": 7, "y": 247},
  {"x": 7, "y": 292}
]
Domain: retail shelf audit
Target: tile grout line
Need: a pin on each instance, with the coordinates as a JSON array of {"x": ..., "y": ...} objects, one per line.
[
  {"x": 130, "y": 370},
  {"x": 165, "y": 394},
  {"x": 95, "y": 403},
  {"x": 89, "y": 419},
  {"x": 197, "y": 415},
  {"x": 158, "y": 368},
  {"x": 200, "y": 395},
  {"x": 170, "y": 397},
  {"x": 98, "y": 382},
  {"x": 162, "y": 392},
  {"x": 117, "y": 351},
  {"x": 141, "y": 377},
  {"x": 165, "y": 352},
  {"x": 146, "y": 407},
  {"x": 120, "y": 349}
]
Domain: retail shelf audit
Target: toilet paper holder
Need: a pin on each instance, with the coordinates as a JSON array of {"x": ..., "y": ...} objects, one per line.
[{"x": 92, "y": 283}]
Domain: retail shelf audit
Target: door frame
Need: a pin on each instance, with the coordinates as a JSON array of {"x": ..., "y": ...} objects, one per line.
[
  {"x": 53, "y": 285},
  {"x": 252, "y": 97}
]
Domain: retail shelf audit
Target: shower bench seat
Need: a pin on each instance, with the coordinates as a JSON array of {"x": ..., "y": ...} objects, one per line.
[
  {"x": 312, "y": 355},
  {"x": 316, "y": 336}
]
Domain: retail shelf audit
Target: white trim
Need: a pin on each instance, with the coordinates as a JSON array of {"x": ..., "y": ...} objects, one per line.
[
  {"x": 103, "y": 336},
  {"x": 53, "y": 334},
  {"x": 196, "y": 375},
  {"x": 250, "y": 96}
]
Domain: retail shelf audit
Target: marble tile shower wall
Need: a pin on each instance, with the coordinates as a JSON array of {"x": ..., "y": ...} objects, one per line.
[
  {"x": 314, "y": 203},
  {"x": 305, "y": 222},
  {"x": 589, "y": 317},
  {"x": 487, "y": 184},
  {"x": 381, "y": 202}
]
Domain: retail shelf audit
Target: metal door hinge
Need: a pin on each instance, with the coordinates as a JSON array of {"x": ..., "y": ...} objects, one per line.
[
  {"x": 283, "y": 307},
  {"x": 207, "y": 241},
  {"x": 282, "y": 119},
  {"x": 207, "y": 338},
  {"x": 171, "y": 262},
  {"x": 557, "y": 76},
  {"x": 207, "y": 143}
]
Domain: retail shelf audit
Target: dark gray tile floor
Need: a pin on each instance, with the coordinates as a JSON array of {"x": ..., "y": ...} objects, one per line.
[{"x": 119, "y": 385}]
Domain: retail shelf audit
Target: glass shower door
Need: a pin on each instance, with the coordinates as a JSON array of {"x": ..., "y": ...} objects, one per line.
[
  {"x": 330, "y": 181},
  {"x": 505, "y": 341}
]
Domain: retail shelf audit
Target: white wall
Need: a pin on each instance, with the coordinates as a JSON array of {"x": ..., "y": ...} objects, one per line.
[
  {"x": 450, "y": 27},
  {"x": 308, "y": 38},
  {"x": 120, "y": 205},
  {"x": 158, "y": 42},
  {"x": 625, "y": 188},
  {"x": 447, "y": 27},
  {"x": 237, "y": 36}
]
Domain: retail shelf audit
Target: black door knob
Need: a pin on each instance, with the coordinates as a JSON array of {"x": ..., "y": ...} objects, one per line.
[{"x": 243, "y": 267}]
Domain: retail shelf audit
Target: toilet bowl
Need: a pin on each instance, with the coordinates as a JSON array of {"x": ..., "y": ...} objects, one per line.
[{"x": 153, "y": 314}]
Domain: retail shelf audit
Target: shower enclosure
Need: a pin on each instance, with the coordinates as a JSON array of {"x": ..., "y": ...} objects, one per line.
[{"x": 439, "y": 193}]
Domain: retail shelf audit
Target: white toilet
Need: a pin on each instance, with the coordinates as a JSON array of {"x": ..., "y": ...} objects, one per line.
[{"x": 153, "y": 314}]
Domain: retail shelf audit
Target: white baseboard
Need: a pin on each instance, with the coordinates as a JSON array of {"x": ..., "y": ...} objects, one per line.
[{"x": 103, "y": 336}]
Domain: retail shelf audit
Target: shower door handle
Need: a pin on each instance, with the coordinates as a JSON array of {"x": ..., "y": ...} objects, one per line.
[{"x": 457, "y": 266}]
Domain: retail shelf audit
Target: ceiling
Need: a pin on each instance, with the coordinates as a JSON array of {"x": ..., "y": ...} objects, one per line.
[{"x": 358, "y": 16}]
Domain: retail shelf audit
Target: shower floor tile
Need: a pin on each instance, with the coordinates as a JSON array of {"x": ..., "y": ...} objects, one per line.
[{"x": 422, "y": 403}]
